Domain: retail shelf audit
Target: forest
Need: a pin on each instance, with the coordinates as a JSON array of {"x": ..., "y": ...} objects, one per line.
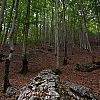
[{"x": 52, "y": 43}]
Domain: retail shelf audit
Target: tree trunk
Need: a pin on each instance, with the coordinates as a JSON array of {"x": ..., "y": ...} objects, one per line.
[
  {"x": 6, "y": 75},
  {"x": 8, "y": 25},
  {"x": 37, "y": 25},
  {"x": 86, "y": 40},
  {"x": 64, "y": 30},
  {"x": 52, "y": 25},
  {"x": 37, "y": 21},
  {"x": 57, "y": 39},
  {"x": 1, "y": 22},
  {"x": 44, "y": 7},
  {"x": 74, "y": 32},
  {"x": 2, "y": 14},
  {"x": 24, "y": 69},
  {"x": 10, "y": 41},
  {"x": 40, "y": 31}
]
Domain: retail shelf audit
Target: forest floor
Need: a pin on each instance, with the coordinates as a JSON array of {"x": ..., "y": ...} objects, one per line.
[{"x": 41, "y": 58}]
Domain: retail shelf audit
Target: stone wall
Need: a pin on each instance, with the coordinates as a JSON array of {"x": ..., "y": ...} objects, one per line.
[
  {"x": 42, "y": 87},
  {"x": 47, "y": 86}
]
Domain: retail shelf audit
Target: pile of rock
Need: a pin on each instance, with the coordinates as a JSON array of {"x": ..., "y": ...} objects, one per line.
[
  {"x": 46, "y": 86},
  {"x": 42, "y": 87}
]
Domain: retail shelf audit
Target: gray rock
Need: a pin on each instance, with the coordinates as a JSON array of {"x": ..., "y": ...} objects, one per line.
[
  {"x": 11, "y": 91},
  {"x": 53, "y": 94},
  {"x": 83, "y": 91},
  {"x": 47, "y": 98},
  {"x": 70, "y": 93}
]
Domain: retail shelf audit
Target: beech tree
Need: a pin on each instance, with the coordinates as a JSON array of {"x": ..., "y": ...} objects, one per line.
[
  {"x": 1, "y": 22},
  {"x": 87, "y": 44},
  {"x": 2, "y": 14},
  {"x": 52, "y": 23},
  {"x": 25, "y": 37},
  {"x": 11, "y": 45},
  {"x": 9, "y": 22},
  {"x": 57, "y": 38},
  {"x": 64, "y": 31}
]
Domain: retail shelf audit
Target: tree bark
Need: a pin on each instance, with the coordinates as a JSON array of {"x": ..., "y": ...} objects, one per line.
[
  {"x": 44, "y": 7},
  {"x": 52, "y": 25},
  {"x": 1, "y": 22},
  {"x": 24, "y": 69},
  {"x": 10, "y": 41},
  {"x": 65, "y": 35},
  {"x": 57, "y": 39},
  {"x": 37, "y": 25},
  {"x": 37, "y": 35},
  {"x": 6, "y": 75},
  {"x": 2, "y": 14},
  {"x": 8, "y": 25},
  {"x": 86, "y": 40}
]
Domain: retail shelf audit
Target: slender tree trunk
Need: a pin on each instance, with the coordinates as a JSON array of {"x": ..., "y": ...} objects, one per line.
[
  {"x": 88, "y": 47},
  {"x": 44, "y": 29},
  {"x": 97, "y": 14},
  {"x": 65, "y": 36},
  {"x": 37, "y": 25},
  {"x": 2, "y": 35},
  {"x": 37, "y": 22},
  {"x": 10, "y": 41},
  {"x": 80, "y": 38},
  {"x": 47, "y": 27},
  {"x": 2, "y": 14},
  {"x": 15, "y": 37},
  {"x": 1, "y": 22},
  {"x": 86, "y": 40},
  {"x": 8, "y": 25},
  {"x": 74, "y": 20},
  {"x": 6, "y": 75},
  {"x": 40, "y": 33},
  {"x": 24, "y": 69},
  {"x": 57, "y": 38},
  {"x": 52, "y": 25}
]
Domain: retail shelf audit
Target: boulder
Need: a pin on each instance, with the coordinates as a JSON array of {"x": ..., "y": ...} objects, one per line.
[{"x": 83, "y": 91}]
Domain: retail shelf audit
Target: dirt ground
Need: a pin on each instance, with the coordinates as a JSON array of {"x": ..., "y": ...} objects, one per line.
[{"x": 40, "y": 59}]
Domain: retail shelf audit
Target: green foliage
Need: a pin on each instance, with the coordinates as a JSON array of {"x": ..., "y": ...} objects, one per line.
[
  {"x": 92, "y": 25},
  {"x": 74, "y": 21}
]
